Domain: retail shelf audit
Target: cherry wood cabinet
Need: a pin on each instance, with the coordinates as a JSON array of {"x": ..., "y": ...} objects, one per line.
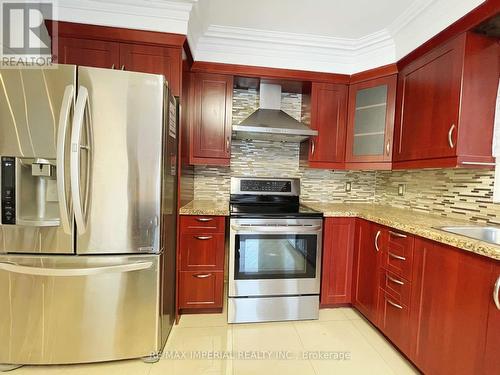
[
  {"x": 393, "y": 320},
  {"x": 206, "y": 224},
  {"x": 201, "y": 290},
  {"x": 155, "y": 60},
  {"x": 117, "y": 48},
  {"x": 370, "y": 240},
  {"x": 491, "y": 360},
  {"x": 434, "y": 302},
  {"x": 370, "y": 123},
  {"x": 394, "y": 304},
  {"x": 336, "y": 275},
  {"x": 453, "y": 290},
  {"x": 328, "y": 116},
  {"x": 210, "y": 125},
  {"x": 398, "y": 258},
  {"x": 201, "y": 263},
  {"x": 86, "y": 52},
  {"x": 446, "y": 104},
  {"x": 202, "y": 251}
]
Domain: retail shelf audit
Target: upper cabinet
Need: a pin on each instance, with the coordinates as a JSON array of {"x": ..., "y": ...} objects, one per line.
[
  {"x": 95, "y": 53},
  {"x": 370, "y": 123},
  {"x": 116, "y": 48},
  {"x": 210, "y": 119},
  {"x": 328, "y": 117},
  {"x": 447, "y": 102},
  {"x": 155, "y": 60}
]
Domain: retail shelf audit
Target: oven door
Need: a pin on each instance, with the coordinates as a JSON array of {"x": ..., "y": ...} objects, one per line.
[{"x": 270, "y": 257}]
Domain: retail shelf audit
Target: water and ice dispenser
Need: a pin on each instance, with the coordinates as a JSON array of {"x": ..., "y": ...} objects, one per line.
[{"x": 29, "y": 192}]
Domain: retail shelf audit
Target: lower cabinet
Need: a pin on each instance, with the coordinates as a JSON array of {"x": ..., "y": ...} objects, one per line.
[
  {"x": 336, "y": 276},
  {"x": 201, "y": 290},
  {"x": 437, "y": 304},
  {"x": 369, "y": 243},
  {"x": 450, "y": 309},
  {"x": 201, "y": 263},
  {"x": 491, "y": 363},
  {"x": 393, "y": 319}
]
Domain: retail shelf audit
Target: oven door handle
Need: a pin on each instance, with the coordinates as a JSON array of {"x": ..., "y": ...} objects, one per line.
[{"x": 277, "y": 229}]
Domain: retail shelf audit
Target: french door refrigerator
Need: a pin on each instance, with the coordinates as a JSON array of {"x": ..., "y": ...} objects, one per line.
[{"x": 88, "y": 215}]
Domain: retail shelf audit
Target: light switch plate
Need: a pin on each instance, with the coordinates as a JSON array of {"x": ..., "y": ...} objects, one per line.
[
  {"x": 348, "y": 186},
  {"x": 401, "y": 189}
]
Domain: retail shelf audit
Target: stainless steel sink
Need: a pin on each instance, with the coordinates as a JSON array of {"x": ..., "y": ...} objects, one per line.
[{"x": 487, "y": 234}]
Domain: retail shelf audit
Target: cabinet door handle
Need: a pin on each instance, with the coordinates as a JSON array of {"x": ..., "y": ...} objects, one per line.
[
  {"x": 376, "y": 240},
  {"x": 388, "y": 147},
  {"x": 396, "y": 256},
  {"x": 450, "y": 136},
  {"x": 113, "y": 66},
  {"x": 204, "y": 219},
  {"x": 313, "y": 147},
  {"x": 395, "y": 281},
  {"x": 396, "y": 234},
  {"x": 123, "y": 67},
  {"x": 203, "y": 275},
  {"x": 394, "y": 304},
  {"x": 227, "y": 144},
  {"x": 496, "y": 289},
  {"x": 202, "y": 238}
]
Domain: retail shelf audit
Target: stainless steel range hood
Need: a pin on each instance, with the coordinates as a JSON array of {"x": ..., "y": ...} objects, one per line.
[{"x": 269, "y": 122}]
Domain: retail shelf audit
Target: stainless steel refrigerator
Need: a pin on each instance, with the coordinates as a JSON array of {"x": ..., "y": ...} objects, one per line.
[{"x": 88, "y": 215}]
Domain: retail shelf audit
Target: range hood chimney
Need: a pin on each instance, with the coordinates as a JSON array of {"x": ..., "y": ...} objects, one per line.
[{"x": 269, "y": 122}]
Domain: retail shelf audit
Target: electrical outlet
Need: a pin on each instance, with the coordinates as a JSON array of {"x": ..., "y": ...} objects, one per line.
[
  {"x": 401, "y": 189},
  {"x": 348, "y": 186}
]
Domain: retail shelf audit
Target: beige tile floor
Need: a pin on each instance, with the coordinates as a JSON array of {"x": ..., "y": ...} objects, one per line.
[{"x": 342, "y": 330}]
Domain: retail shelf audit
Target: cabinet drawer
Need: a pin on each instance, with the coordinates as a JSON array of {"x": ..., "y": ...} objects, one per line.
[
  {"x": 202, "y": 224},
  {"x": 399, "y": 255},
  {"x": 201, "y": 290},
  {"x": 394, "y": 320},
  {"x": 202, "y": 251},
  {"x": 396, "y": 286}
]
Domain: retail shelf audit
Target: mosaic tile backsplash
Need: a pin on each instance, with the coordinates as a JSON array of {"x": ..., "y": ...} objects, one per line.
[
  {"x": 276, "y": 159},
  {"x": 459, "y": 193}
]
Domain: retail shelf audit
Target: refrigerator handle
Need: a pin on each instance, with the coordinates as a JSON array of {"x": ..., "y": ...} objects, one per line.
[
  {"x": 81, "y": 114},
  {"x": 64, "y": 118},
  {"x": 72, "y": 272}
]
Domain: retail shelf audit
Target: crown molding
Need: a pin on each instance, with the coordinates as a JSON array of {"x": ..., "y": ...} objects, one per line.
[
  {"x": 255, "y": 47},
  {"x": 153, "y": 15},
  {"x": 409, "y": 31},
  {"x": 410, "y": 13},
  {"x": 236, "y": 45}
]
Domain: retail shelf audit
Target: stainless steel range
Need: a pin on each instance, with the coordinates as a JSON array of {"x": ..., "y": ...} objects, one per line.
[{"x": 275, "y": 252}]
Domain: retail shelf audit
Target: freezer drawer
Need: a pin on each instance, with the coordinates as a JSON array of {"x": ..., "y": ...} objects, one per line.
[{"x": 58, "y": 310}]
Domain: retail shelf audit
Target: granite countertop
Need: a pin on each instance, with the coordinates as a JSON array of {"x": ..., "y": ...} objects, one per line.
[
  {"x": 205, "y": 207},
  {"x": 413, "y": 222}
]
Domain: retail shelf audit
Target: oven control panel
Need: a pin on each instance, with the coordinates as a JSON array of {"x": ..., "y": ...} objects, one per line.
[
  {"x": 269, "y": 186},
  {"x": 8, "y": 190}
]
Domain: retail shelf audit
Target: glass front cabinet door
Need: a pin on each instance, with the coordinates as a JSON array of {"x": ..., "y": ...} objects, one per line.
[{"x": 371, "y": 123}]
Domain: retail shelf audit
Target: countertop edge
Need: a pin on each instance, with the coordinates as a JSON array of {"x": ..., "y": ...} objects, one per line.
[
  {"x": 471, "y": 245},
  {"x": 204, "y": 208}
]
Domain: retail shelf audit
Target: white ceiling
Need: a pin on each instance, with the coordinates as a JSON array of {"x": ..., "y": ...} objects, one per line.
[
  {"x": 337, "y": 36},
  {"x": 331, "y": 18}
]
